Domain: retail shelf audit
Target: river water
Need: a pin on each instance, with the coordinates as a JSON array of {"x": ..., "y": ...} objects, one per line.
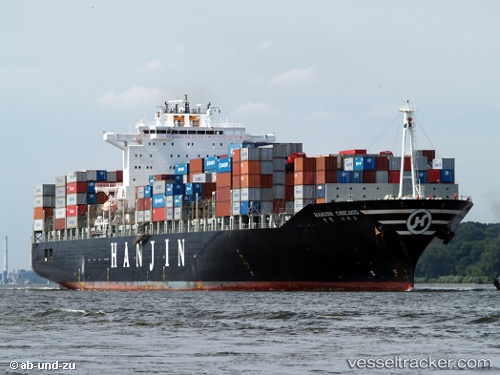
[{"x": 434, "y": 329}]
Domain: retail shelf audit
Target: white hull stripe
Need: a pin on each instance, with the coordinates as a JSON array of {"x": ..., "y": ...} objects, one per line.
[
  {"x": 407, "y": 233},
  {"x": 404, "y": 222},
  {"x": 408, "y": 211}
]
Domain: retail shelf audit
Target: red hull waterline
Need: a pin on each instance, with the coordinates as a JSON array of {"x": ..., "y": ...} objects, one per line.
[{"x": 389, "y": 286}]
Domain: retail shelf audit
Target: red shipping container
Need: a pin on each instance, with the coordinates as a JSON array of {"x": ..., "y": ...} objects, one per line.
[
  {"x": 76, "y": 187},
  {"x": 431, "y": 154},
  {"x": 250, "y": 180},
  {"x": 79, "y": 209},
  {"x": 289, "y": 192},
  {"x": 353, "y": 152},
  {"x": 304, "y": 178},
  {"x": 289, "y": 177},
  {"x": 223, "y": 194},
  {"x": 407, "y": 163},
  {"x": 147, "y": 204},
  {"x": 60, "y": 224},
  {"x": 304, "y": 164},
  {"x": 433, "y": 176},
  {"x": 381, "y": 163},
  {"x": 266, "y": 180},
  {"x": 369, "y": 177},
  {"x": 223, "y": 209},
  {"x": 394, "y": 177},
  {"x": 223, "y": 179},
  {"x": 119, "y": 176},
  {"x": 326, "y": 163},
  {"x": 278, "y": 205},
  {"x": 159, "y": 214},
  {"x": 42, "y": 213},
  {"x": 208, "y": 189},
  {"x": 326, "y": 177},
  {"x": 140, "y": 204}
]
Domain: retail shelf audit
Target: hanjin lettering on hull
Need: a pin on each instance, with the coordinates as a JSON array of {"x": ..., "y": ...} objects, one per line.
[{"x": 139, "y": 254}]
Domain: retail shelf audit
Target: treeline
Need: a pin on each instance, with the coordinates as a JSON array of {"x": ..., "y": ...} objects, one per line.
[{"x": 473, "y": 256}]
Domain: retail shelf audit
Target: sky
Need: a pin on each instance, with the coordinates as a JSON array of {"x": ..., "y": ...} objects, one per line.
[{"x": 330, "y": 74}]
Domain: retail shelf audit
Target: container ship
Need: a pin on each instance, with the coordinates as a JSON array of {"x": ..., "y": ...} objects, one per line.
[{"x": 203, "y": 205}]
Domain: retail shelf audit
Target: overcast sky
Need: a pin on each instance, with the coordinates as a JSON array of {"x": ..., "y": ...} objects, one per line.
[{"x": 330, "y": 74}]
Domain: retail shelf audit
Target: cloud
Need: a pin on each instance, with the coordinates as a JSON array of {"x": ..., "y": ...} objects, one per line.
[
  {"x": 252, "y": 109},
  {"x": 265, "y": 45},
  {"x": 135, "y": 95},
  {"x": 294, "y": 77},
  {"x": 153, "y": 66}
]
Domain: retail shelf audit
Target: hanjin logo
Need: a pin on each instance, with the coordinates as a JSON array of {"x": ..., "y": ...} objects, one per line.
[{"x": 419, "y": 221}]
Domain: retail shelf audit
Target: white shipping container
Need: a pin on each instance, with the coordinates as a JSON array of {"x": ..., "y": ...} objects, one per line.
[
  {"x": 61, "y": 181},
  {"x": 169, "y": 214},
  {"x": 203, "y": 177},
  {"x": 236, "y": 208},
  {"x": 60, "y": 213},
  {"x": 60, "y": 202},
  {"x": 236, "y": 195},
  {"x": 44, "y": 189},
  {"x": 348, "y": 164},
  {"x": 250, "y": 153},
  {"x": 45, "y": 201},
  {"x": 147, "y": 215},
  {"x": 140, "y": 192},
  {"x": 304, "y": 191},
  {"x": 76, "y": 198},
  {"x": 76, "y": 177},
  {"x": 177, "y": 213},
  {"x": 299, "y": 204},
  {"x": 140, "y": 216},
  {"x": 71, "y": 222},
  {"x": 159, "y": 187},
  {"x": 437, "y": 164},
  {"x": 60, "y": 191},
  {"x": 38, "y": 225},
  {"x": 250, "y": 194},
  {"x": 169, "y": 201}
]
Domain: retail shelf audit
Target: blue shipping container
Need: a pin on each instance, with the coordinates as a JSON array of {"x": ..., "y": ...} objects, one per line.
[
  {"x": 101, "y": 175},
  {"x": 169, "y": 189},
  {"x": 320, "y": 191},
  {"x": 91, "y": 198},
  {"x": 210, "y": 163},
  {"x": 178, "y": 189},
  {"x": 158, "y": 201},
  {"x": 357, "y": 177},
  {"x": 182, "y": 169},
  {"x": 193, "y": 188},
  {"x": 422, "y": 176},
  {"x": 223, "y": 165},
  {"x": 343, "y": 177},
  {"x": 91, "y": 186},
  {"x": 447, "y": 176},
  {"x": 177, "y": 200},
  {"x": 152, "y": 180},
  {"x": 148, "y": 191},
  {"x": 244, "y": 207},
  {"x": 364, "y": 163}
]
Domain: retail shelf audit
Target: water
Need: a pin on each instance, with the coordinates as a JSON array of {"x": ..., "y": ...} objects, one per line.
[{"x": 249, "y": 332}]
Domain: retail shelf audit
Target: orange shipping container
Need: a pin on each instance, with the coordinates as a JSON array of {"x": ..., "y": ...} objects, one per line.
[
  {"x": 42, "y": 213},
  {"x": 223, "y": 179},
  {"x": 304, "y": 164},
  {"x": 223, "y": 194},
  {"x": 326, "y": 163},
  {"x": 326, "y": 177},
  {"x": 60, "y": 224},
  {"x": 76, "y": 187},
  {"x": 250, "y": 180},
  {"x": 196, "y": 166},
  {"x": 250, "y": 167},
  {"x": 236, "y": 182},
  {"x": 304, "y": 178},
  {"x": 237, "y": 155},
  {"x": 223, "y": 209},
  {"x": 159, "y": 214},
  {"x": 236, "y": 168}
]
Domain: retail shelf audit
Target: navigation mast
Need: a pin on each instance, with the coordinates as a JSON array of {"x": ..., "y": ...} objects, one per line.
[{"x": 409, "y": 128}]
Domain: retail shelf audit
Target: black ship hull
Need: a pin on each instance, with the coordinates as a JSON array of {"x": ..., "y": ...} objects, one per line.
[{"x": 364, "y": 245}]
